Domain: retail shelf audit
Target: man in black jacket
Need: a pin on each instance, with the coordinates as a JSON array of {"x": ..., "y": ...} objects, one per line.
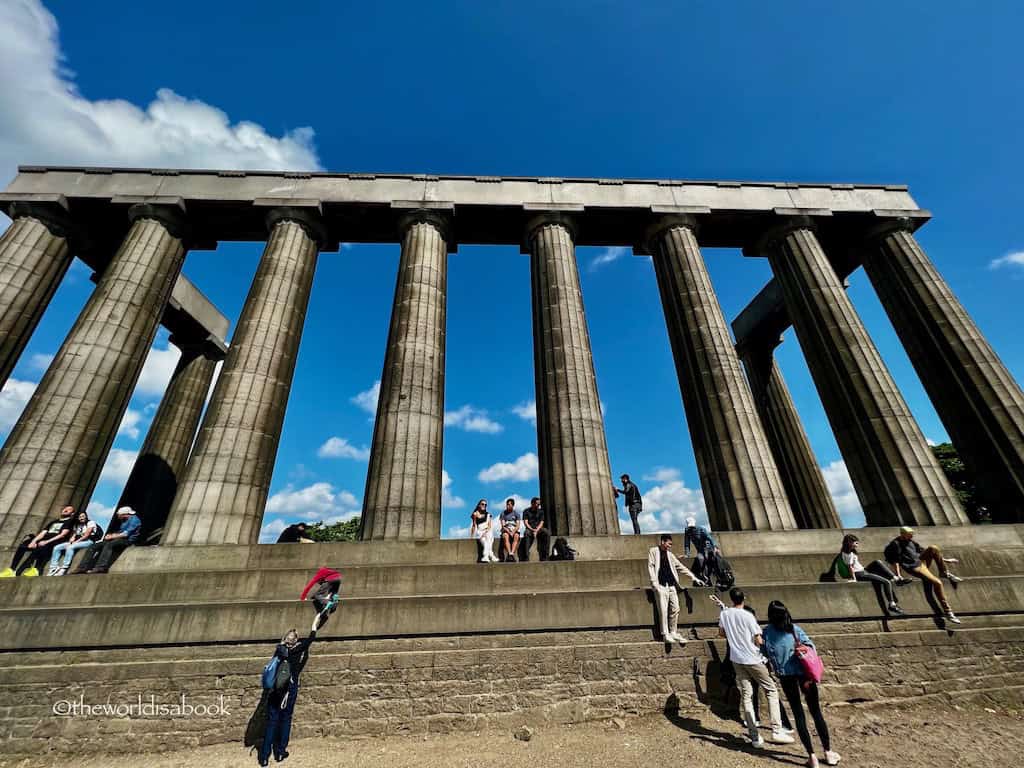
[{"x": 634, "y": 504}]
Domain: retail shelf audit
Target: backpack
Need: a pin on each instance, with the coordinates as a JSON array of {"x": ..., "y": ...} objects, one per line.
[
  {"x": 270, "y": 673},
  {"x": 725, "y": 578},
  {"x": 277, "y": 675},
  {"x": 97, "y": 533},
  {"x": 562, "y": 550}
]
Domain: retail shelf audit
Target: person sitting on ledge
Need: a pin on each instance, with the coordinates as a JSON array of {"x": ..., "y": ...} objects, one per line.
[
  {"x": 663, "y": 568},
  {"x": 876, "y": 572},
  {"x": 86, "y": 532},
  {"x": 510, "y": 530},
  {"x": 35, "y": 551},
  {"x": 535, "y": 521},
  {"x": 100, "y": 556},
  {"x": 905, "y": 554},
  {"x": 295, "y": 534}
]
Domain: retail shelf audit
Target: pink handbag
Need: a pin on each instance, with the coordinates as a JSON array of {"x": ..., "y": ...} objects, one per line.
[{"x": 810, "y": 661}]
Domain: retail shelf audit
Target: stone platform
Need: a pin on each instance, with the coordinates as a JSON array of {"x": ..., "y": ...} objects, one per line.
[{"x": 425, "y": 639}]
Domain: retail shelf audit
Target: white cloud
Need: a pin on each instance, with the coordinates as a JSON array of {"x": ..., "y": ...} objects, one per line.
[
  {"x": 667, "y": 506},
  {"x": 837, "y": 479},
  {"x": 101, "y": 513},
  {"x": 497, "y": 506},
  {"x": 157, "y": 370},
  {"x": 1013, "y": 260},
  {"x": 527, "y": 411},
  {"x": 318, "y": 501},
  {"x": 662, "y": 474},
  {"x": 270, "y": 531},
  {"x": 367, "y": 400},
  {"x": 130, "y": 424},
  {"x": 607, "y": 256},
  {"x": 340, "y": 448},
  {"x": 118, "y": 466},
  {"x": 457, "y": 532},
  {"x": 40, "y": 361},
  {"x": 448, "y": 499},
  {"x": 522, "y": 469},
  {"x": 471, "y": 419},
  {"x": 47, "y": 121},
  {"x": 930, "y": 442},
  {"x": 13, "y": 399}
]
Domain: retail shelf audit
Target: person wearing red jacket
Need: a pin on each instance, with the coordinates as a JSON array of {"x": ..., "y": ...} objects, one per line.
[{"x": 324, "y": 587}]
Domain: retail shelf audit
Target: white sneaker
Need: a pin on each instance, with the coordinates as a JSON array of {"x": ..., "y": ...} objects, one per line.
[
  {"x": 953, "y": 578},
  {"x": 952, "y": 618},
  {"x": 757, "y": 743},
  {"x": 677, "y": 638},
  {"x": 778, "y": 737},
  {"x": 832, "y": 758}
]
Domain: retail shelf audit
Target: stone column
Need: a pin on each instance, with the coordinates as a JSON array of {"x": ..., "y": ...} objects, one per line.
[
  {"x": 898, "y": 480},
  {"x": 56, "y": 450},
  {"x": 403, "y": 482},
  {"x": 224, "y": 489},
  {"x": 575, "y": 475},
  {"x": 153, "y": 482},
  {"x": 978, "y": 400},
  {"x": 809, "y": 497},
  {"x": 741, "y": 484},
  {"x": 34, "y": 256}
]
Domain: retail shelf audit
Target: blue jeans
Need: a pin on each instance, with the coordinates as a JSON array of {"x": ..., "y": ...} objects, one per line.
[
  {"x": 60, "y": 549},
  {"x": 279, "y": 724}
]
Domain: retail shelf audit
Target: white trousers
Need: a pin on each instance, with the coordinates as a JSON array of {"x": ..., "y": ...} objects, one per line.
[{"x": 668, "y": 609}]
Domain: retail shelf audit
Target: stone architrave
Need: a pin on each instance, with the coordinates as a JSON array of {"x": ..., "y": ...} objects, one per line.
[
  {"x": 575, "y": 474},
  {"x": 897, "y": 478},
  {"x": 979, "y": 402},
  {"x": 403, "y": 483},
  {"x": 226, "y": 482},
  {"x": 153, "y": 482},
  {"x": 56, "y": 450},
  {"x": 34, "y": 256},
  {"x": 741, "y": 484},
  {"x": 808, "y": 494}
]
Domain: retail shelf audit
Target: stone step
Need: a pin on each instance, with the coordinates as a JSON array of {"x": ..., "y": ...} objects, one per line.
[
  {"x": 432, "y": 579},
  {"x": 372, "y": 617},
  {"x": 452, "y": 551}
]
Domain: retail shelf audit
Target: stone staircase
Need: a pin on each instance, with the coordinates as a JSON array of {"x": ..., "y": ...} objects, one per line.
[{"x": 427, "y": 640}]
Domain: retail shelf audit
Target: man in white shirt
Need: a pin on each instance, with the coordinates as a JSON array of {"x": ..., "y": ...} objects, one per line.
[
  {"x": 739, "y": 627},
  {"x": 663, "y": 568}
]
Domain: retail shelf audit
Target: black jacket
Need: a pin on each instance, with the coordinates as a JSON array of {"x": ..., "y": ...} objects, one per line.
[{"x": 632, "y": 494}]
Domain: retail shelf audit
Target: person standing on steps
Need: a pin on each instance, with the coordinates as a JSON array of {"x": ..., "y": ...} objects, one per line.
[
  {"x": 876, "y": 572},
  {"x": 634, "y": 502},
  {"x": 281, "y": 704},
  {"x": 905, "y": 554},
  {"x": 663, "y": 568},
  {"x": 780, "y": 636},
  {"x": 740, "y": 629}
]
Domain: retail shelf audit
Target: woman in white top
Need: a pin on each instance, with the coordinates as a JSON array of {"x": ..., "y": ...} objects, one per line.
[
  {"x": 877, "y": 572},
  {"x": 83, "y": 536},
  {"x": 482, "y": 530}
]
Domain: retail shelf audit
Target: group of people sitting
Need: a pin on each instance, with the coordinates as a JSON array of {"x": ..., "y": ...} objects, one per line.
[
  {"x": 518, "y": 534},
  {"x": 52, "y": 550}
]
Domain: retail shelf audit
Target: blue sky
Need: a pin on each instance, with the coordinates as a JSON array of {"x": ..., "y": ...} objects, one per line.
[{"x": 868, "y": 92}]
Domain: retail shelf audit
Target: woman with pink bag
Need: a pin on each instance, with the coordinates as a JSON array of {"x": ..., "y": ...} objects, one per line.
[{"x": 791, "y": 653}]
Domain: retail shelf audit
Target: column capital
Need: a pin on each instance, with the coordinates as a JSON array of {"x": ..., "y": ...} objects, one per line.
[
  {"x": 170, "y": 214},
  {"x": 758, "y": 344},
  {"x": 666, "y": 222},
  {"x": 440, "y": 220},
  {"x": 882, "y": 229},
  {"x": 547, "y": 218},
  {"x": 53, "y": 214},
  {"x": 309, "y": 218},
  {"x": 775, "y": 234}
]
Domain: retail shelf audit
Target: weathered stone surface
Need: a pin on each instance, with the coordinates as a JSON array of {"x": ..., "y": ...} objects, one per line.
[
  {"x": 575, "y": 475},
  {"x": 153, "y": 482},
  {"x": 978, "y": 400},
  {"x": 403, "y": 484},
  {"x": 897, "y": 478},
  {"x": 56, "y": 450},
  {"x": 809, "y": 497},
  {"x": 34, "y": 256},
  {"x": 741, "y": 484},
  {"x": 225, "y": 485}
]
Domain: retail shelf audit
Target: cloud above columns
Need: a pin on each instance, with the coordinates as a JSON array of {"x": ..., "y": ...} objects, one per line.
[
  {"x": 839, "y": 484},
  {"x": 367, "y": 400},
  {"x": 13, "y": 399},
  {"x": 527, "y": 411},
  {"x": 522, "y": 469},
  {"x": 607, "y": 256},
  {"x": 448, "y": 499},
  {"x": 319, "y": 501},
  {"x": 340, "y": 448},
  {"x": 471, "y": 419},
  {"x": 48, "y": 121},
  {"x": 1014, "y": 261}
]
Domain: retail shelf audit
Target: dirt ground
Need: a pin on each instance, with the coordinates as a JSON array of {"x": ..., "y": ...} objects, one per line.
[{"x": 928, "y": 737}]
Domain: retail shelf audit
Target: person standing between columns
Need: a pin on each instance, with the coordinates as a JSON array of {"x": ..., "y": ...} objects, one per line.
[
  {"x": 403, "y": 479},
  {"x": 897, "y": 477},
  {"x": 663, "y": 569},
  {"x": 225, "y": 485},
  {"x": 741, "y": 483},
  {"x": 633, "y": 502},
  {"x": 575, "y": 474},
  {"x": 92, "y": 376}
]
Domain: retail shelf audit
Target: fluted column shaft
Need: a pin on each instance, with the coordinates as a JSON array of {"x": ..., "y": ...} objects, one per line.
[
  {"x": 56, "y": 450},
  {"x": 897, "y": 478},
  {"x": 153, "y": 482},
  {"x": 978, "y": 400},
  {"x": 403, "y": 483},
  {"x": 34, "y": 257},
  {"x": 225, "y": 485},
  {"x": 741, "y": 484},
  {"x": 809, "y": 497},
  {"x": 575, "y": 475}
]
